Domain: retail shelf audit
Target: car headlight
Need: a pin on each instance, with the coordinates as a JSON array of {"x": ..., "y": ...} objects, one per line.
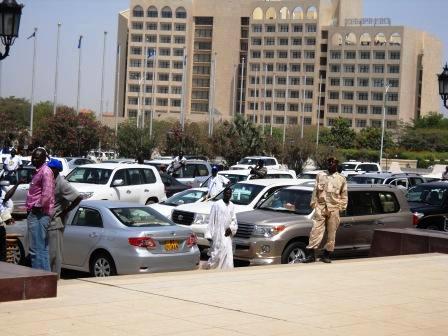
[
  {"x": 201, "y": 219},
  {"x": 267, "y": 231},
  {"x": 86, "y": 195}
]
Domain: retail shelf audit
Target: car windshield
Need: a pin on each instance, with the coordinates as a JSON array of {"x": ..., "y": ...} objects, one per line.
[
  {"x": 433, "y": 195},
  {"x": 235, "y": 178},
  {"x": 289, "y": 200},
  {"x": 140, "y": 217},
  {"x": 348, "y": 166},
  {"x": 309, "y": 176},
  {"x": 89, "y": 175},
  {"x": 185, "y": 197},
  {"x": 242, "y": 193},
  {"x": 248, "y": 161},
  {"x": 365, "y": 180}
]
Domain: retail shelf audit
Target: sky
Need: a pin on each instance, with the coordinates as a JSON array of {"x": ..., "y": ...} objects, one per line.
[{"x": 91, "y": 18}]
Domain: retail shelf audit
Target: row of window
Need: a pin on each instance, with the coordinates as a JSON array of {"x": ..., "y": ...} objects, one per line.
[
  {"x": 282, "y": 67},
  {"x": 279, "y": 120},
  {"x": 283, "y": 41},
  {"x": 295, "y": 28},
  {"x": 350, "y": 95},
  {"x": 166, "y": 12},
  {"x": 135, "y": 88},
  {"x": 307, "y": 54},
  {"x": 295, "y": 94},
  {"x": 364, "y": 82},
  {"x": 364, "y": 68},
  {"x": 164, "y": 77},
  {"x": 365, "y": 123},
  {"x": 365, "y": 39},
  {"x": 159, "y": 101},
  {"x": 163, "y": 26},
  {"x": 377, "y": 55},
  {"x": 163, "y": 39},
  {"x": 362, "y": 109},
  {"x": 292, "y": 107},
  {"x": 284, "y": 13},
  {"x": 162, "y": 64}
]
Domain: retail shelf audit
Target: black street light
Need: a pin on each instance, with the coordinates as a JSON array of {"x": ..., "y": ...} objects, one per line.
[
  {"x": 443, "y": 85},
  {"x": 10, "y": 13}
]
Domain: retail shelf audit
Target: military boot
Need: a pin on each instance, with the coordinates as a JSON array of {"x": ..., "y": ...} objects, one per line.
[
  {"x": 311, "y": 256},
  {"x": 326, "y": 257}
]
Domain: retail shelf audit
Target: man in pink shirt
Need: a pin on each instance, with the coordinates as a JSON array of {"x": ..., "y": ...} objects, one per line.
[{"x": 40, "y": 207}]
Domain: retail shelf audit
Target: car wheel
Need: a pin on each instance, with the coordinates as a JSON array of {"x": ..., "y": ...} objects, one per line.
[
  {"x": 102, "y": 265},
  {"x": 434, "y": 227},
  {"x": 151, "y": 201},
  {"x": 18, "y": 254},
  {"x": 294, "y": 253}
]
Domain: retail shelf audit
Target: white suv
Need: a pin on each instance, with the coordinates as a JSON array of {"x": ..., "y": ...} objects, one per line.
[
  {"x": 355, "y": 167},
  {"x": 246, "y": 195},
  {"x": 118, "y": 182},
  {"x": 251, "y": 161}
]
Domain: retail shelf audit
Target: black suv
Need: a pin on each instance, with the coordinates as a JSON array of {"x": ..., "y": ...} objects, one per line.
[{"x": 429, "y": 203}]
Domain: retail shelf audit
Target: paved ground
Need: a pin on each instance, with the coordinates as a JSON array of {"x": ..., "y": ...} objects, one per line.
[{"x": 383, "y": 296}]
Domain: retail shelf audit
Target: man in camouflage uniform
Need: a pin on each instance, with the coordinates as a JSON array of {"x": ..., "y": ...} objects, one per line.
[{"x": 329, "y": 198}]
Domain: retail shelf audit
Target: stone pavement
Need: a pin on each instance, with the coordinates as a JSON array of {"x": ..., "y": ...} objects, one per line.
[{"x": 404, "y": 295}]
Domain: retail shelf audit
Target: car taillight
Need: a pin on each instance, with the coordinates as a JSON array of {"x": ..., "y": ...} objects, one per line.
[
  {"x": 146, "y": 242},
  {"x": 192, "y": 240},
  {"x": 416, "y": 216}
]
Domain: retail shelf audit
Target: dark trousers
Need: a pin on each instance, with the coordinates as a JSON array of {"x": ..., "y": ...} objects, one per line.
[{"x": 2, "y": 243}]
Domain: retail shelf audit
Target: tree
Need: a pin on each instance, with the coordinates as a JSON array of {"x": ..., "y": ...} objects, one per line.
[
  {"x": 42, "y": 111},
  {"x": 370, "y": 138},
  {"x": 14, "y": 117},
  {"x": 432, "y": 120},
  {"x": 133, "y": 141},
  {"x": 340, "y": 135}
]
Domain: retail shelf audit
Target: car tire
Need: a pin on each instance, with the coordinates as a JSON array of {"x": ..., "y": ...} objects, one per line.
[
  {"x": 102, "y": 265},
  {"x": 294, "y": 253},
  {"x": 435, "y": 227},
  {"x": 19, "y": 254},
  {"x": 151, "y": 201}
]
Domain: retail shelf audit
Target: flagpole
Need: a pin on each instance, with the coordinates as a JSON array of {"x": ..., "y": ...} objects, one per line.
[
  {"x": 272, "y": 105},
  {"x": 117, "y": 88},
  {"x": 33, "y": 78},
  {"x": 241, "y": 86},
  {"x": 153, "y": 89},
  {"x": 286, "y": 106},
  {"x": 142, "y": 87},
  {"x": 235, "y": 71},
  {"x": 303, "y": 108},
  {"x": 102, "y": 78},
  {"x": 79, "y": 74},
  {"x": 182, "y": 100},
  {"x": 55, "y": 99},
  {"x": 211, "y": 98},
  {"x": 264, "y": 95},
  {"x": 318, "y": 112},
  {"x": 255, "y": 97}
]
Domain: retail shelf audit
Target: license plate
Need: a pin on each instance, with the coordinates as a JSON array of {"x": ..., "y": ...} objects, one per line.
[{"x": 171, "y": 245}]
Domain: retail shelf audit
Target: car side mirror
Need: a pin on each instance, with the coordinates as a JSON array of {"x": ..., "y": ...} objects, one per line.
[
  {"x": 117, "y": 182},
  {"x": 4, "y": 183}
]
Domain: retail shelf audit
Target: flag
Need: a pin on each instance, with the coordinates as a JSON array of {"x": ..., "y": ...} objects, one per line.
[
  {"x": 151, "y": 53},
  {"x": 32, "y": 35},
  {"x": 79, "y": 42},
  {"x": 185, "y": 60}
]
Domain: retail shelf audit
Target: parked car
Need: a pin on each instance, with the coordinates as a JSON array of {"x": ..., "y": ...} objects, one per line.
[
  {"x": 277, "y": 230},
  {"x": 193, "y": 173},
  {"x": 24, "y": 175},
  {"x": 118, "y": 182},
  {"x": 401, "y": 180},
  {"x": 107, "y": 238},
  {"x": 188, "y": 196},
  {"x": 244, "y": 175},
  {"x": 429, "y": 204},
  {"x": 251, "y": 161},
  {"x": 172, "y": 185},
  {"x": 356, "y": 167},
  {"x": 78, "y": 161},
  {"x": 245, "y": 195}
]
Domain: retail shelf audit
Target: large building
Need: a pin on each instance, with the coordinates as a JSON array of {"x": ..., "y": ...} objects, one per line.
[{"x": 273, "y": 61}]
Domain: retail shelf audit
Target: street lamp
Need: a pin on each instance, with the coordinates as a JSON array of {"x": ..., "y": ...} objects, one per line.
[
  {"x": 386, "y": 89},
  {"x": 10, "y": 13},
  {"x": 443, "y": 85}
]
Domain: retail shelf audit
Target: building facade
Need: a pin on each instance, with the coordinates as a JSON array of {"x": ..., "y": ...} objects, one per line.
[{"x": 276, "y": 62}]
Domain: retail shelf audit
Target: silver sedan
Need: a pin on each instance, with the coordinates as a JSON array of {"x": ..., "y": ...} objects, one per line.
[{"x": 107, "y": 238}]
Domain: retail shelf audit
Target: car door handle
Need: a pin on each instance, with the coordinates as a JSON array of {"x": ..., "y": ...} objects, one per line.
[
  {"x": 128, "y": 191},
  {"x": 347, "y": 225},
  {"x": 146, "y": 190},
  {"x": 93, "y": 235}
]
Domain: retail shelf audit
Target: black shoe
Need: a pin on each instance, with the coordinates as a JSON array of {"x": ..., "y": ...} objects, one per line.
[
  {"x": 326, "y": 257},
  {"x": 311, "y": 257}
]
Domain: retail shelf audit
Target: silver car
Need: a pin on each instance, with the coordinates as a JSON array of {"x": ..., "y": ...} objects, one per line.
[{"x": 107, "y": 238}]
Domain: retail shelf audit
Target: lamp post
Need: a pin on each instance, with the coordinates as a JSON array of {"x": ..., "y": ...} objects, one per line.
[
  {"x": 386, "y": 89},
  {"x": 443, "y": 85},
  {"x": 10, "y": 13}
]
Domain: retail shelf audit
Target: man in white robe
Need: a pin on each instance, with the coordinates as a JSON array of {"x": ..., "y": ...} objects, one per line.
[
  {"x": 216, "y": 183},
  {"x": 221, "y": 227}
]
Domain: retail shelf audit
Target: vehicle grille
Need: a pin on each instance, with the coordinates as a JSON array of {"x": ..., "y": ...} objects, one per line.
[
  {"x": 182, "y": 217},
  {"x": 244, "y": 230}
]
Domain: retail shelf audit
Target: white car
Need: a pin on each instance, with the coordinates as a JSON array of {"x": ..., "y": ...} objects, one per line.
[
  {"x": 245, "y": 195},
  {"x": 356, "y": 167},
  {"x": 188, "y": 196},
  {"x": 118, "y": 182},
  {"x": 239, "y": 175},
  {"x": 193, "y": 173},
  {"x": 251, "y": 161}
]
